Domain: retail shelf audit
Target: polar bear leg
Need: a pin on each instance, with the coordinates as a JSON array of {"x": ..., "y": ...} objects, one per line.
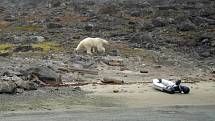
[
  {"x": 89, "y": 51},
  {"x": 94, "y": 50},
  {"x": 101, "y": 49}
]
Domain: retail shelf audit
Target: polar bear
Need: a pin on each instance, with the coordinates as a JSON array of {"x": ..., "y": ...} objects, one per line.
[{"x": 92, "y": 45}]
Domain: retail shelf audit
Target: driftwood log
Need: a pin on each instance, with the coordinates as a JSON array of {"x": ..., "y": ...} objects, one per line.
[
  {"x": 113, "y": 62},
  {"x": 67, "y": 84},
  {"x": 82, "y": 71}
]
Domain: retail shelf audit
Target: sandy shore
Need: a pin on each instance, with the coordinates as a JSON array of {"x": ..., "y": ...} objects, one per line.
[
  {"x": 144, "y": 95},
  {"x": 112, "y": 96}
]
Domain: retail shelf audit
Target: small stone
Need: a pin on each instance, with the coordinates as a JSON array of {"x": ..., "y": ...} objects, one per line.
[
  {"x": 115, "y": 91},
  {"x": 78, "y": 88},
  {"x": 5, "y": 54},
  {"x": 54, "y": 25},
  {"x": 186, "y": 26},
  {"x": 144, "y": 71},
  {"x": 213, "y": 72},
  {"x": 76, "y": 37},
  {"x": 205, "y": 54},
  {"x": 19, "y": 90},
  {"x": 157, "y": 66},
  {"x": 123, "y": 68},
  {"x": 37, "y": 38},
  {"x": 159, "y": 22}
]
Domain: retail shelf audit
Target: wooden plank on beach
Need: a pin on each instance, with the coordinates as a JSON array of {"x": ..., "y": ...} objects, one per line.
[
  {"x": 68, "y": 84},
  {"x": 82, "y": 71}
]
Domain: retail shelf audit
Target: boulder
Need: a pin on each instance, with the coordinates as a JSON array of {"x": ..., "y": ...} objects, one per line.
[
  {"x": 202, "y": 20},
  {"x": 83, "y": 61},
  {"x": 145, "y": 26},
  {"x": 114, "y": 53},
  {"x": 12, "y": 78},
  {"x": 159, "y": 22},
  {"x": 7, "y": 87},
  {"x": 54, "y": 25},
  {"x": 37, "y": 38},
  {"x": 10, "y": 18},
  {"x": 23, "y": 48},
  {"x": 55, "y": 3},
  {"x": 11, "y": 82},
  {"x": 5, "y": 54},
  {"x": 4, "y": 24},
  {"x": 136, "y": 13},
  {"x": 89, "y": 27},
  {"x": 213, "y": 44},
  {"x": 27, "y": 85},
  {"x": 112, "y": 81},
  {"x": 43, "y": 73},
  {"x": 186, "y": 26},
  {"x": 113, "y": 61},
  {"x": 205, "y": 54}
]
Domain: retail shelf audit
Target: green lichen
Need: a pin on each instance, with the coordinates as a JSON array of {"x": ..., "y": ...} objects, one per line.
[
  {"x": 5, "y": 48},
  {"x": 29, "y": 28},
  {"x": 47, "y": 46}
]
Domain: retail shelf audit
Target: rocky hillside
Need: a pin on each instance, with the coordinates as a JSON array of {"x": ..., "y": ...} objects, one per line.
[
  {"x": 184, "y": 26},
  {"x": 169, "y": 39}
]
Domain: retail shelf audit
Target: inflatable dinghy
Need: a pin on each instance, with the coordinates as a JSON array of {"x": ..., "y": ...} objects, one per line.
[{"x": 170, "y": 87}]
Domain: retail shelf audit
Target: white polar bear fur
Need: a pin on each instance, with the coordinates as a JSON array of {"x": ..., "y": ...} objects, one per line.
[{"x": 89, "y": 44}]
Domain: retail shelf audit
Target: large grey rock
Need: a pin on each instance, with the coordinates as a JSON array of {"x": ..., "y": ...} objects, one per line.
[
  {"x": 159, "y": 22},
  {"x": 10, "y": 18},
  {"x": 27, "y": 85},
  {"x": 10, "y": 79},
  {"x": 145, "y": 26},
  {"x": 205, "y": 54},
  {"x": 44, "y": 74},
  {"x": 54, "y": 25},
  {"x": 202, "y": 20},
  {"x": 23, "y": 48},
  {"x": 80, "y": 61},
  {"x": 55, "y": 3},
  {"x": 37, "y": 38},
  {"x": 7, "y": 87},
  {"x": 186, "y": 26},
  {"x": 144, "y": 40},
  {"x": 13, "y": 78}
]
